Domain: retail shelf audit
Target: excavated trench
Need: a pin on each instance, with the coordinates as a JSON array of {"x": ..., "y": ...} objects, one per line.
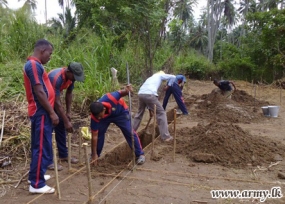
[{"x": 123, "y": 154}]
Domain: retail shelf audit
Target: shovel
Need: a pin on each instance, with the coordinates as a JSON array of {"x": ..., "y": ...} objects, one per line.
[{"x": 145, "y": 129}]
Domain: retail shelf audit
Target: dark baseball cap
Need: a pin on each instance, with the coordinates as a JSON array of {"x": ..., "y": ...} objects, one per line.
[{"x": 77, "y": 71}]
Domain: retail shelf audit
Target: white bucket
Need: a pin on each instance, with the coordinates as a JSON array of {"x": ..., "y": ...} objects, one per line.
[
  {"x": 273, "y": 111},
  {"x": 265, "y": 110}
]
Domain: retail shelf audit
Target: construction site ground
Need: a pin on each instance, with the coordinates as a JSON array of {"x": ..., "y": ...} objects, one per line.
[{"x": 223, "y": 144}]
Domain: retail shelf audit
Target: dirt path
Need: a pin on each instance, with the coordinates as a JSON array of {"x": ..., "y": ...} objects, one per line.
[{"x": 221, "y": 145}]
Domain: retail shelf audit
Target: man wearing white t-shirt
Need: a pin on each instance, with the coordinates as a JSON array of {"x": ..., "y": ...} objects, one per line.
[{"x": 148, "y": 97}]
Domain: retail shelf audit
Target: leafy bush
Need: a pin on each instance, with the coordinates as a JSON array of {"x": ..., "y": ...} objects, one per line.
[
  {"x": 193, "y": 65},
  {"x": 237, "y": 68}
]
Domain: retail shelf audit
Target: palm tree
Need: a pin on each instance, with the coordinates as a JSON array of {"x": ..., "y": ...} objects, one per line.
[
  {"x": 215, "y": 9},
  {"x": 3, "y": 2},
  {"x": 246, "y": 6},
  {"x": 199, "y": 38},
  {"x": 31, "y": 4},
  {"x": 64, "y": 4},
  {"x": 64, "y": 26},
  {"x": 184, "y": 11},
  {"x": 265, "y": 5}
]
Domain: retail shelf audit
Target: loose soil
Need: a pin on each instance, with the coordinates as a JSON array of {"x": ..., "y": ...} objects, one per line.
[{"x": 223, "y": 144}]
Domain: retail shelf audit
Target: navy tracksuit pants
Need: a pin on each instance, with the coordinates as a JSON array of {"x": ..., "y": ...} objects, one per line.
[
  {"x": 60, "y": 137},
  {"x": 123, "y": 122},
  {"x": 41, "y": 147},
  {"x": 177, "y": 93}
]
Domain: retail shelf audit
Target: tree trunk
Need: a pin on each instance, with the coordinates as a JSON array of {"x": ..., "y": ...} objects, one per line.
[{"x": 210, "y": 57}]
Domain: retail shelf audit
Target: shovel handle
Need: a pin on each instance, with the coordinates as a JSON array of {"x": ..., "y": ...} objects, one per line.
[{"x": 148, "y": 123}]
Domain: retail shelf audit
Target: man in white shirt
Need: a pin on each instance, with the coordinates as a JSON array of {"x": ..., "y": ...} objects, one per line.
[{"x": 148, "y": 97}]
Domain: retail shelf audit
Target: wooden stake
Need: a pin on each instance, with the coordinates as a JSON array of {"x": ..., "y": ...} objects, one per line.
[
  {"x": 130, "y": 113},
  {"x": 254, "y": 96},
  {"x": 252, "y": 86},
  {"x": 80, "y": 145},
  {"x": 174, "y": 139},
  {"x": 21, "y": 179},
  {"x": 88, "y": 172},
  {"x": 69, "y": 151},
  {"x": 55, "y": 165},
  {"x": 153, "y": 133},
  {"x": 2, "y": 129},
  {"x": 280, "y": 96}
]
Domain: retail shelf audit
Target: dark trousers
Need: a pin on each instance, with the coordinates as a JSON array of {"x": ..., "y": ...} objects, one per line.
[
  {"x": 177, "y": 93},
  {"x": 123, "y": 122},
  {"x": 41, "y": 148},
  {"x": 60, "y": 137}
]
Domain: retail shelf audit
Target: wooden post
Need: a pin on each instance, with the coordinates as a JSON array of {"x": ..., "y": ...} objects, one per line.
[
  {"x": 254, "y": 96},
  {"x": 55, "y": 165},
  {"x": 2, "y": 129},
  {"x": 130, "y": 113},
  {"x": 69, "y": 151},
  {"x": 153, "y": 133},
  {"x": 252, "y": 87},
  {"x": 88, "y": 172},
  {"x": 280, "y": 96},
  {"x": 174, "y": 139},
  {"x": 80, "y": 145}
]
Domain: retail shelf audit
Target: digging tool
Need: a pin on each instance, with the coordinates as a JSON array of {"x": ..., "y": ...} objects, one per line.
[
  {"x": 144, "y": 131},
  {"x": 130, "y": 112}
]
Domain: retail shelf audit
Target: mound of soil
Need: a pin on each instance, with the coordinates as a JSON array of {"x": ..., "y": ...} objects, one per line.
[
  {"x": 242, "y": 108},
  {"x": 228, "y": 145}
]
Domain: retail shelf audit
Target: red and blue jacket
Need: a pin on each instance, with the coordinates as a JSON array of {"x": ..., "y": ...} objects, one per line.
[
  {"x": 114, "y": 104},
  {"x": 58, "y": 80},
  {"x": 35, "y": 74}
]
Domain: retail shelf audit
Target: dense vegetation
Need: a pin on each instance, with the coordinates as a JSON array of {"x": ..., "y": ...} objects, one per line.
[{"x": 244, "y": 41}]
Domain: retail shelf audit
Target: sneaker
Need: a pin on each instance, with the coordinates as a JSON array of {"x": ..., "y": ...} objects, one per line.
[
  {"x": 141, "y": 160},
  {"x": 51, "y": 167},
  {"x": 45, "y": 189},
  {"x": 47, "y": 177},
  {"x": 73, "y": 160},
  {"x": 169, "y": 139}
]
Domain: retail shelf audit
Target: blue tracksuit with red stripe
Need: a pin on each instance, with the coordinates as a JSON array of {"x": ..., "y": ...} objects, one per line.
[
  {"x": 41, "y": 124},
  {"x": 59, "y": 83},
  {"x": 116, "y": 112},
  {"x": 174, "y": 88}
]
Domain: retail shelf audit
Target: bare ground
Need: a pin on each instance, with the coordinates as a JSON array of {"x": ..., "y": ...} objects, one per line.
[{"x": 222, "y": 144}]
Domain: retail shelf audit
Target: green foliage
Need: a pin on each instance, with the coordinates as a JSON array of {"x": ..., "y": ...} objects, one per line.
[
  {"x": 18, "y": 30},
  {"x": 265, "y": 42},
  {"x": 95, "y": 54},
  {"x": 193, "y": 65},
  {"x": 237, "y": 68},
  {"x": 11, "y": 80}
]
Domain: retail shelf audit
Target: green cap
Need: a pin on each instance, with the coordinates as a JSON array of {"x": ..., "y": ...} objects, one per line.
[{"x": 77, "y": 71}]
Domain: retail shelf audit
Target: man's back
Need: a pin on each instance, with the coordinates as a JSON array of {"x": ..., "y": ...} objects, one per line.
[{"x": 151, "y": 85}]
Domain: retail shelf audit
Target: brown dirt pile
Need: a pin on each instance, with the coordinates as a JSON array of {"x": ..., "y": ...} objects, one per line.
[
  {"x": 228, "y": 145},
  {"x": 242, "y": 108}
]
